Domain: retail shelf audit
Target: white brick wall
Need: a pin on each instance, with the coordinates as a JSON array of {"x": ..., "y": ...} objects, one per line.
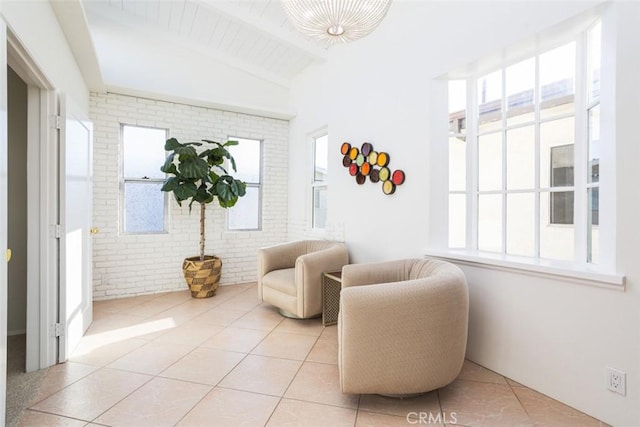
[{"x": 126, "y": 265}]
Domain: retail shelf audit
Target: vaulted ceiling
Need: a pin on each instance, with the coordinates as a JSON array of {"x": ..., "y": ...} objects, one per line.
[{"x": 253, "y": 37}]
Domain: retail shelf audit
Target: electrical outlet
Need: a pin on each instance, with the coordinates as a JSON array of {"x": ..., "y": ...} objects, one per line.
[{"x": 617, "y": 381}]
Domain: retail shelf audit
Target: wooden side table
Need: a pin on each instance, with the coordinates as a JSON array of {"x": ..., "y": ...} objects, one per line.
[{"x": 331, "y": 287}]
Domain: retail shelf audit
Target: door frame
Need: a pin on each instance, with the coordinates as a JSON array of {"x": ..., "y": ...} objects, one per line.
[{"x": 42, "y": 208}]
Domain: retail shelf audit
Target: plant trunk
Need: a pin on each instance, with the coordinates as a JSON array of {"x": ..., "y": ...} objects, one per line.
[{"x": 202, "y": 206}]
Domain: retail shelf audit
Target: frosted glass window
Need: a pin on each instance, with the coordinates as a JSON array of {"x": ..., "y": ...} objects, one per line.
[
  {"x": 246, "y": 214},
  {"x": 143, "y": 203},
  {"x": 144, "y": 207}
]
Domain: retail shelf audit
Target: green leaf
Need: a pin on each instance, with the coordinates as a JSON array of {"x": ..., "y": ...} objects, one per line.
[
  {"x": 242, "y": 188},
  {"x": 186, "y": 152},
  {"x": 171, "y": 144},
  {"x": 194, "y": 167},
  {"x": 168, "y": 163},
  {"x": 229, "y": 143},
  {"x": 227, "y": 203},
  {"x": 170, "y": 184},
  {"x": 185, "y": 191}
]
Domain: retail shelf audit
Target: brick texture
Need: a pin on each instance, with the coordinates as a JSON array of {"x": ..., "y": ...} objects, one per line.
[{"x": 126, "y": 265}]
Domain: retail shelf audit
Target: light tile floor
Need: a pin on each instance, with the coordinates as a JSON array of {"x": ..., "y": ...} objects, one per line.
[{"x": 168, "y": 359}]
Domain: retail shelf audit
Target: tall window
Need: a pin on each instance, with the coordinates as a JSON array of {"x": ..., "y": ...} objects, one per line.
[
  {"x": 143, "y": 204},
  {"x": 246, "y": 214},
  {"x": 319, "y": 183},
  {"x": 524, "y": 157}
]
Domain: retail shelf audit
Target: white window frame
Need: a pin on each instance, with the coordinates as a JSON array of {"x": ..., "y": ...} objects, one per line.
[
  {"x": 257, "y": 184},
  {"x": 580, "y": 271},
  {"x": 317, "y": 184},
  {"x": 124, "y": 180}
]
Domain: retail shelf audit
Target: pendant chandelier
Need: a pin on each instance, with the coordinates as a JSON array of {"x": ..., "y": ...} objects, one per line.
[{"x": 336, "y": 21}]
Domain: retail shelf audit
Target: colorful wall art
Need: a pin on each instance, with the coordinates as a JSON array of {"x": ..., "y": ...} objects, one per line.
[{"x": 366, "y": 162}]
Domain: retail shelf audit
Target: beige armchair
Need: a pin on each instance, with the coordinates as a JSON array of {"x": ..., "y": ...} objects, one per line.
[
  {"x": 290, "y": 274},
  {"x": 402, "y": 327}
]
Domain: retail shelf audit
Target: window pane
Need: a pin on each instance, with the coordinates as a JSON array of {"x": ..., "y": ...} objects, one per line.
[
  {"x": 143, "y": 152},
  {"x": 457, "y": 220},
  {"x": 593, "y": 171},
  {"x": 490, "y": 102},
  {"x": 143, "y": 207},
  {"x": 562, "y": 207},
  {"x": 247, "y": 157},
  {"x": 593, "y": 238},
  {"x": 556, "y": 240},
  {"x": 245, "y": 215},
  {"x": 554, "y": 134},
  {"x": 490, "y": 162},
  {"x": 594, "y": 59},
  {"x": 319, "y": 207},
  {"x": 457, "y": 106},
  {"x": 521, "y": 158},
  {"x": 457, "y": 164},
  {"x": 520, "y": 82},
  {"x": 557, "y": 80},
  {"x": 521, "y": 220},
  {"x": 320, "y": 158},
  {"x": 490, "y": 222}
]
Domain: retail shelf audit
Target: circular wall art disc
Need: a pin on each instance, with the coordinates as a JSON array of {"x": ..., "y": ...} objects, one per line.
[
  {"x": 373, "y": 158},
  {"x": 353, "y": 169},
  {"x": 374, "y": 175},
  {"x": 397, "y": 177},
  {"x": 384, "y": 174},
  {"x": 360, "y": 159},
  {"x": 346, "y": 161},
  {"x": 366, "y": 148},
  {"x": 345, "y": 147},
  {"x": 360, "y": 179},
  {"x": 353, "y": 153},
  {"x": 365, "y": 169},
  {"x": 388, "y": 187},
  {"x": 383, "y": 159}
]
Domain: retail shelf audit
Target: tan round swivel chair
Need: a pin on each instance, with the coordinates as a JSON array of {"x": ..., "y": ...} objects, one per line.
[
  {"x": 290, "y": 274},
  {"x": 402, "y": 327}
]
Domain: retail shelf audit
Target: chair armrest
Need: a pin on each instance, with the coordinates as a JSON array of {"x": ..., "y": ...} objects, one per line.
[
  {"x": 372, "y": 273},
  {"x": 309, "y": 268},
  {"x": 277, "y": 257}
]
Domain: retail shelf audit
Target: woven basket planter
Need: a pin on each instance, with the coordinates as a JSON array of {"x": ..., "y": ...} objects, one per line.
[{"x": 202, "y": 276}]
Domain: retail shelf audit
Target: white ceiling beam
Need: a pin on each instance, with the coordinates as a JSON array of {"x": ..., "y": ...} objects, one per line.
[
  {"x": 117, "y": 16},
  {"x": 73, "y": 21},
  {"x": 254, "y": 21}
]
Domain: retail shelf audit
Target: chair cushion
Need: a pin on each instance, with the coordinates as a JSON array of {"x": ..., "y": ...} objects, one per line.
[{"x": 283, "y": 280}]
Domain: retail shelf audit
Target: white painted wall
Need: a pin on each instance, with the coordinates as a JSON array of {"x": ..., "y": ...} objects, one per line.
[
  {"x": 552, "y": 335},
  {"x": 17, "y": 196},
  {"x": 126, "y": 265},
  {"x": 34, "y": 24}
]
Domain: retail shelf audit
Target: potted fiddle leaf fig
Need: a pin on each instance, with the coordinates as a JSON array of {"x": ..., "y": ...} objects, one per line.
[{"x": 198, "y": 176}]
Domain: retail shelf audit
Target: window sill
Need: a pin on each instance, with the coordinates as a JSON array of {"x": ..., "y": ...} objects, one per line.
[{"x": 541, "y": 268}]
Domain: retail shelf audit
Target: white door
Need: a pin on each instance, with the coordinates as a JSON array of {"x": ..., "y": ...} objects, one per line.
[
  {"x": 76, "y": 186},
  {"x": 3, "y": 219}
]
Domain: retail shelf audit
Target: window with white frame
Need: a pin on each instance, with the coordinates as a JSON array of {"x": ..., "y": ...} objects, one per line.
[
  {"x": 524, "y": 144},
  {"x": 143, "y": 204},
  {"x": 319, "y": 182},
  {"x": 246, "y": 214}
]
